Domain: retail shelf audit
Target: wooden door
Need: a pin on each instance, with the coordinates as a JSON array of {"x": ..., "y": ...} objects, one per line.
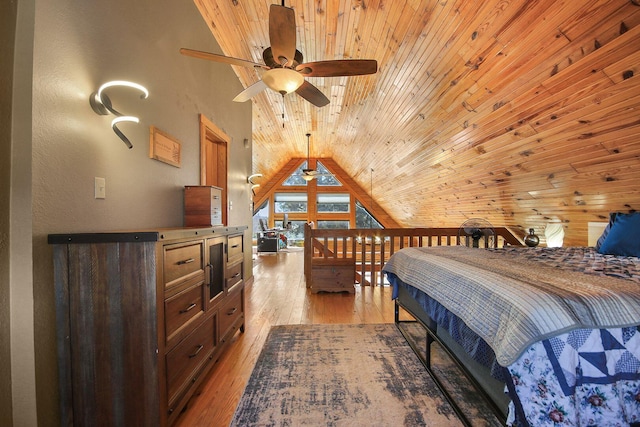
[{"x": 214, "y": 158}]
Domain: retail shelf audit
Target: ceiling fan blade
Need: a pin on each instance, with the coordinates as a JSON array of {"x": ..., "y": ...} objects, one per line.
[
  {"x": 282, "y": 33},
  {"x": 312, "y": 94},
  {"x": 219, "y": 58},
  {"x": 250, "y": 92},
  {"x": 339, "y": 67}
]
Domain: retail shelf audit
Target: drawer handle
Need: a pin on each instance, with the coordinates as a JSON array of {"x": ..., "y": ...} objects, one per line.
[
  {"x": 186, "y": 261},
  {"x": 200, "y": 347},
  {"x": 189, "y": 308},
  {"x": 235, "y": 275},
  {"x": 232, "y": 311},
  {"x": 235, "y": 246}
]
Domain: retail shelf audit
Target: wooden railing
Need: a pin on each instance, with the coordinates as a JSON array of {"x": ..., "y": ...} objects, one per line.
[{"x": 371, "y": 248}]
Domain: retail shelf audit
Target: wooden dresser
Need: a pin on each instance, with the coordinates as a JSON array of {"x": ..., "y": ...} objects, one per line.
[{"x": 141, "y": 318}]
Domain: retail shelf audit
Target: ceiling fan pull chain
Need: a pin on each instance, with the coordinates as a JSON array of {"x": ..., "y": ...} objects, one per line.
[{"x": 283, "y": 108}]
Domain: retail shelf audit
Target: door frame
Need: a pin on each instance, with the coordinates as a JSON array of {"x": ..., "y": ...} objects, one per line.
[{"x": 209, "y": 131}]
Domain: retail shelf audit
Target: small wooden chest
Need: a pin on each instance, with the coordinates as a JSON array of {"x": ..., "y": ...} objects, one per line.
[
  {"x": 333, "y": 275},
  {"x": 202, "y": 206}
]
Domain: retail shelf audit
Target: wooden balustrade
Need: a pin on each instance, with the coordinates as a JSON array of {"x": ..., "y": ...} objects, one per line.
[{"x": 371, "y": 248}]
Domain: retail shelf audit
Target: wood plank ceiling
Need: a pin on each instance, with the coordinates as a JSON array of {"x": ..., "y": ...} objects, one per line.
[{"x": 517, "y": 111}]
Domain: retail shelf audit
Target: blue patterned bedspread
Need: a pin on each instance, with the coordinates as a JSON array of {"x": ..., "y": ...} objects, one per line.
[
  {"x": 512, "y": 303},
  {"x": 576, "y": 377},
  {"x": 581, "y": 378}
]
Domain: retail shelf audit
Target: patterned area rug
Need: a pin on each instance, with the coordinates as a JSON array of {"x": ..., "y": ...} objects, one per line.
[{"x": 341, "y": 375}]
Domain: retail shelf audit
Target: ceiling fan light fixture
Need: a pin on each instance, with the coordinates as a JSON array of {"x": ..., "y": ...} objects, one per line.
[
  {"x": 285, "y": 64},
  {"x": 283, "y": 80},
  {"x": 308, "y": 177}
]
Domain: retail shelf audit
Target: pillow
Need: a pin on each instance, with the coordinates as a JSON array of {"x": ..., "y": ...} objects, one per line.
[
  {"x": 605, "y": 232},
  {"x": 624, "y": 236}
]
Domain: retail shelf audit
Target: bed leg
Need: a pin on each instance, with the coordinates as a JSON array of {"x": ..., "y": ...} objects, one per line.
[
  {"x": 426, "y": 361},
  {"x": 427, "y": 350},
  {"x": 396, "y": 313}
]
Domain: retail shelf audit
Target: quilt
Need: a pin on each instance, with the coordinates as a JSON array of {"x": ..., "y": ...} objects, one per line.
[
  {"x": 511, "y": 304},
  {"x": 580, "y": 376}
]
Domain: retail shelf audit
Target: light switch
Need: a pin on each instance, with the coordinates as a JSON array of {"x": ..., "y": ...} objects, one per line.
[{"x": 100, "y": 190}]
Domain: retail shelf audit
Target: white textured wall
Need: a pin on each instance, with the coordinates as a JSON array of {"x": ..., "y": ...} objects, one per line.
[
  {"x": 21, "y": 293},
  {"x": 79, "y": 45},
  {"x": 8, "y": 14}
]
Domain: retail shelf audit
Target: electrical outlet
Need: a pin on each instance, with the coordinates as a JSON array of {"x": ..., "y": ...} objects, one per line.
[{"x": 100, "y": 188}]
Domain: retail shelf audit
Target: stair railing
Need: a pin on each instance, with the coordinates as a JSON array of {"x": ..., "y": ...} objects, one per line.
[{"x": 371, "y": 248}]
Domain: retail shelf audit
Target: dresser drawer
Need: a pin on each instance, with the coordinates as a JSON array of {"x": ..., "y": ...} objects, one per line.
[
  {"x": 181, "y": 308},
  {"x": 184, "y": 361},
  {"x": 234, "y": 275},
  {"x": 230, "y": 312},
  {"x": 235, "y": 248},
  {"x": 182, "y": 262}
]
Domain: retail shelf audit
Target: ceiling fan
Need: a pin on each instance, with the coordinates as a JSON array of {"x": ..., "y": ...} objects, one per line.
[{"x": 285, "y": 69}]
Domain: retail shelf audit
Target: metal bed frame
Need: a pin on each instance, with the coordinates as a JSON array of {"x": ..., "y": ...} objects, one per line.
[{"x": 431, "y": 337}]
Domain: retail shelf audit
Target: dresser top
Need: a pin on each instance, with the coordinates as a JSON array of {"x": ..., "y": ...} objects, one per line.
[{"x": 155, "y": 235}]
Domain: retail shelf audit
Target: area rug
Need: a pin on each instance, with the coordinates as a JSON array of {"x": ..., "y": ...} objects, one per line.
[{"x": 340, "y": 375}]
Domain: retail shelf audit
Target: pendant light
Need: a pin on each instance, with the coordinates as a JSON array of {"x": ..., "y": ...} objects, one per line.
[{"x": 308, "y": 174}]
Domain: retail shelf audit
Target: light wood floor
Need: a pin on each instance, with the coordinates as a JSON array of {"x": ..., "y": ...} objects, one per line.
[{"x": 277, "y": 296}]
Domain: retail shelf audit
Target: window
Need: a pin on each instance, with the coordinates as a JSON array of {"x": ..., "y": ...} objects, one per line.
[
  {"x": 333, "y": 225},
  {"x": 261, "y": 215},
  {"x": 328, "y": 203},
  {"x": 364, "y": 219},
  {"x": 325, "y": 178},
  {"x": 296, "y": 177},
  {"x": 290, "y": 203},
  {"x": 295, "y": 235}
]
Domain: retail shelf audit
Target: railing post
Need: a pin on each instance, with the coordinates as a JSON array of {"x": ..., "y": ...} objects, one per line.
[{"x": 308, "y": 254}]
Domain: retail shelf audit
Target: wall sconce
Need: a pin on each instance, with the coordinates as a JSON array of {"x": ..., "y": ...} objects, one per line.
[
  {"x": 101, "y": 104},
  {"x": 254, "y": 185},
  {"x": 250, "y": 178}
]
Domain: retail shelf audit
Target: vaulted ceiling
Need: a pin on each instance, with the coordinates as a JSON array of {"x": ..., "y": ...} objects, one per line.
[{"x": 517, "y": 111}]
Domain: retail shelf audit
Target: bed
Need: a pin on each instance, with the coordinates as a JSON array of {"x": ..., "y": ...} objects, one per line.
[{"x": 550, "y": 334}]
